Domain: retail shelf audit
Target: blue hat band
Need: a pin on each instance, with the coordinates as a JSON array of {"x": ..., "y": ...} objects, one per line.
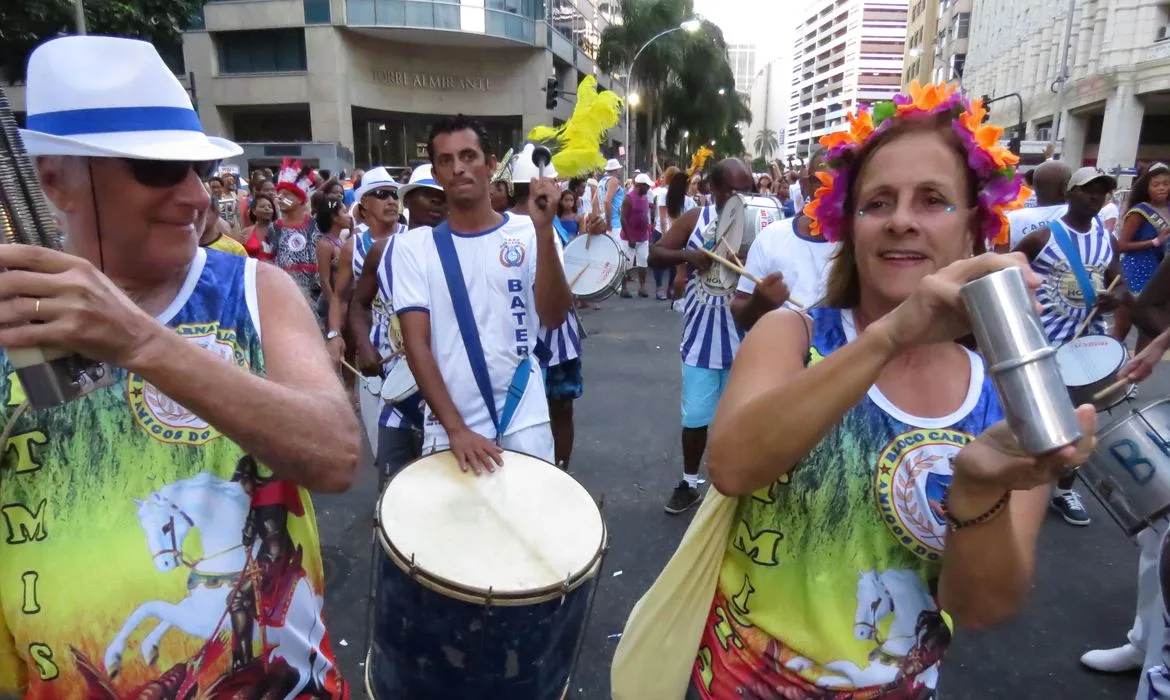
[{"x": 105, "y": 120}]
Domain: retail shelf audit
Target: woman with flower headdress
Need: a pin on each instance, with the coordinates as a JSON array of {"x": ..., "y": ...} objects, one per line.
[{"x": 835, "y": 580}]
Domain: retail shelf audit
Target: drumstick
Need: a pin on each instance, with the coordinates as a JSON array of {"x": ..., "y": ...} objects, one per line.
[
  {"x": 736, "y": 268},
  {"x": 353, "y": 369},
  {"x": 391, "y": 356},
  {"x": 1093, "y": 311},
  {"x": 578, "y": 275},
  {"x": 734, "y": 257},
  {"x": 1112, "y": 388}
]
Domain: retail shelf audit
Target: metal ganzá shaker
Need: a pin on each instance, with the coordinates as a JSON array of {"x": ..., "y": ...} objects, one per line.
[{"x": 1020, "y": 361}]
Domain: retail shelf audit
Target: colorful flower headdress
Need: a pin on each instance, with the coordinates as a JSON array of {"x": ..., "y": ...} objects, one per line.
[{"x": 999, "y": 186}]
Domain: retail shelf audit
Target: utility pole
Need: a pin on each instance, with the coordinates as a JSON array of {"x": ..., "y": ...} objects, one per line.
[
  {"x": 1062, "y": 79},
  {"x": 79, "y": 15}
]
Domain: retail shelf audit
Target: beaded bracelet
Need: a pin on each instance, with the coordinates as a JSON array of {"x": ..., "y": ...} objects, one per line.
[{"x": 955, "y": 524}]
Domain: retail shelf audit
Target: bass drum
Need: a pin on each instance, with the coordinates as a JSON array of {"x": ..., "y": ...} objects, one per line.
[
  {"x": 731, "y": 236},
  {"x": 484, "y": 584},
  {"x": 1129, "y": 472}
]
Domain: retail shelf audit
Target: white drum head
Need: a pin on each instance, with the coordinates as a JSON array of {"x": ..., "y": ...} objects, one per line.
[
  {"x": 729, "y": 228},
  {"x": 591, "y": 269},
  {"x": 526, "y": 528},
  {"x": 1089, "y": 359},
  {"x": 399, "y": 382}
]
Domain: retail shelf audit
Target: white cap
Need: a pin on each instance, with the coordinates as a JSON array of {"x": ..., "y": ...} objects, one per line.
[
  {"x": 105, "y": 96},
  {"x": 422, "y": 177},
  {"x": 612, "y": 164},
  {"x": 643, "y": 179},
  {"x": 375, "y": 178},
  {"x": 1087, "y": 174}
]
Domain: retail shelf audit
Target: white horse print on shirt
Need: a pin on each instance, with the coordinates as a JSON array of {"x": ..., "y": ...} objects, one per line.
[{"x": 217, "y": 510}]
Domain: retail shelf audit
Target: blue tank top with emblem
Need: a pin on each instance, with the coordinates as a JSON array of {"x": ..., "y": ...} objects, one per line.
[
  {"x": 828, "y": 585},
  {"x": 615, "y": 217}
]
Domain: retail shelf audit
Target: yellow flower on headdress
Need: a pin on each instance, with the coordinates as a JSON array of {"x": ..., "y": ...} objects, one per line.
[{"x": 928, "y": 97}]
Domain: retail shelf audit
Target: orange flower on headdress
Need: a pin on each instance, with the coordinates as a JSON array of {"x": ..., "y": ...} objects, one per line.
[{"x": 927, "y": 98}]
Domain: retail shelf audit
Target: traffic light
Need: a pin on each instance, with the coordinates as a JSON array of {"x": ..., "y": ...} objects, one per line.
[
  {"x": 550, "y": 90},
  {"x": 987, "y": 106}
]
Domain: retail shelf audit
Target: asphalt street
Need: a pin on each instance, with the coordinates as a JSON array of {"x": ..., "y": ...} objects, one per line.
[{"x": 627, "y": 453}]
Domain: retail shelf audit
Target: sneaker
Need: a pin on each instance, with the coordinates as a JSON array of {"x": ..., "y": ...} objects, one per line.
[
  {"x": 682, "y": 498},
  {"x": 1120, "y": 659},
  {"x": 660, "y": 295},
  {"x": 1068, "y": 504}
]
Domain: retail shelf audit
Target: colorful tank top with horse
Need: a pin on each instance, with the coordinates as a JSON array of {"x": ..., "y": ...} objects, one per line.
[
  {"x": 145, "y": 555},
  {"x": 829, "y": 583}
]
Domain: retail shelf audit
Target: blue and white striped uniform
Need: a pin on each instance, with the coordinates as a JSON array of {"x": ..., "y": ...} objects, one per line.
[
  {"x": 382, "y": 315},
  {"x": 563, "y": 343},
  {"x": 361, "y": 246},
  {"x": 1059, "y": 294},
  {"x": 710, "y": 337}
]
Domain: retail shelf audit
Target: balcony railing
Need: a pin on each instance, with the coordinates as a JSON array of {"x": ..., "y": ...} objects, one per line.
[{"x": 509, "y": 19}]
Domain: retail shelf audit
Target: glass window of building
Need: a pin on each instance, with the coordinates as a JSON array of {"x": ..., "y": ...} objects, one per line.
[{"x": 261, "y": 51}]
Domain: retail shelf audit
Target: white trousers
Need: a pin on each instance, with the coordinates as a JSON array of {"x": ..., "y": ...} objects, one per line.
[
  {"x": 1149, "y": 634},
  {"x": 536, "y": 440}
]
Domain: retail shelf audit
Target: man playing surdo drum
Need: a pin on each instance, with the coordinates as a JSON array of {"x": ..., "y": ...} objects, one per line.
[{"x": 514, "y": 283}]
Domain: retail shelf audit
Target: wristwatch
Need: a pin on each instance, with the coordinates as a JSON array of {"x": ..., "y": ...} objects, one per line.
[{"x": 332, "y": 334}]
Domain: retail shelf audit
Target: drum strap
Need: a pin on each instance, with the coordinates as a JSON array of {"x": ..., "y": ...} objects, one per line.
[
  {"x": 560, "y": 229},
  {"x": 469, "y": 331},
  {"x": 1073, "y": 255}
]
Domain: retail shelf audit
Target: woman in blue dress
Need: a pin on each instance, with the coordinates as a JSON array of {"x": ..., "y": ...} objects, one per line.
[{"x": 1146, "y": 226}]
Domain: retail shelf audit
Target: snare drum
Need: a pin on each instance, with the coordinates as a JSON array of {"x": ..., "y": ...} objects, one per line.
[
  {"x": 1128, "y": 471},
  {"x": 399, "y": 383},
  {"x": 484, "y": 583},
  {"x": 1089, "y": 365},
  {"x": 594, "y": 267},
  {"x": 731, "y": 236}
]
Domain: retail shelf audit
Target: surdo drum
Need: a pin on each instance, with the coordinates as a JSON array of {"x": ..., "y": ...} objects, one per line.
[
  {"x": 484, "y": 584},
  {"x": 1128, "y": 472},
  {"x": 594, "y": 267},
  {"x": 731, "y": 236}
]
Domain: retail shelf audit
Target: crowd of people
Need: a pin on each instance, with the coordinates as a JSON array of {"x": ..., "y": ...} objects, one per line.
[{"x": 852, "y": 535}]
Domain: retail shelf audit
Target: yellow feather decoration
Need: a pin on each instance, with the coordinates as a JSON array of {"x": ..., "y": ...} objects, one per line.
[
  {"x": 699, "y": 159},
  {"x": 578, "y": 141}
]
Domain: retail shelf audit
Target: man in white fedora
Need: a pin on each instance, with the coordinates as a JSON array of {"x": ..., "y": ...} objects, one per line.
[
  {"x": 611, "y": 192},
  {"x": 225, "y": 411},
  {"x": 371, "y": 315}
]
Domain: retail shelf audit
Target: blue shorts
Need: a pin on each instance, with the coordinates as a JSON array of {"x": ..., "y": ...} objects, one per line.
[
  {"x": 564, "y": 381},
  {"x": 701, "y": 389}
]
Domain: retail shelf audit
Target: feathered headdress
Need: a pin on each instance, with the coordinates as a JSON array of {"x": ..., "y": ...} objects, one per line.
[
  {"x": 577, "y": 142},
  {"x": 699, "y": 160},
  {"x": 286, "y": 179},
  {"x": 1000, "y": 187}
]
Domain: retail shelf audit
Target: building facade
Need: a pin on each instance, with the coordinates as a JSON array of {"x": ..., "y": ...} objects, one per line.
[
  {"x": 922, "y": 26},
  {"x": 952, "y": 38},
  {"x": 845, "y": 52},
  {"x": 345, "y": 83},
  {"x": 1114, "y": 110},
  {"x": 742, "y": 59},
  {"x": 769, "y": 105}
]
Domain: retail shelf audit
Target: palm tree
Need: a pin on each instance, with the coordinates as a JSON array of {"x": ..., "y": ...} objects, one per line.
[{"x": 765, "y": 144}]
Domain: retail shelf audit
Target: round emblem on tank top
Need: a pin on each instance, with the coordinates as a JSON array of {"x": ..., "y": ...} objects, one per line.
[
  {"x": 165, "y": 419},
  {"x": 912, "y": 477},
  {"x": 297, "y": 241},
  {"x": 511, "y": 253}
]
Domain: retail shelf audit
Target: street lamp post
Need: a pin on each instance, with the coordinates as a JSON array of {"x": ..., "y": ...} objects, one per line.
[{"x": 690, "y": 26}]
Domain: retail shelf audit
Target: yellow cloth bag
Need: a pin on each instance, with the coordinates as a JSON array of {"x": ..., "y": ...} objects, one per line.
[{"x": 657, "y": 650}]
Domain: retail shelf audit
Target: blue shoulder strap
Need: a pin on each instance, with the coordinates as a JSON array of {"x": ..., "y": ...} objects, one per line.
[
  {"x": 1075, "y": 261},
  {"x": 469, "y": 331},
  {"x": 561, "y": 231}
]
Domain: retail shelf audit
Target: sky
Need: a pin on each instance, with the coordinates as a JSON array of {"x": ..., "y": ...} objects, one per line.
[{"x": 759, "y": 22}]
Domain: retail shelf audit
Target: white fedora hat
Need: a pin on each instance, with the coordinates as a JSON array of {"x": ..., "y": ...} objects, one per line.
[
  {"x": 524, "y": 168},
  {"x": 104, "y": 96},
  {"x": 422, "y": 177},
  {"x": 375, "y": 178},
  {"x": 612, "y": 164}
]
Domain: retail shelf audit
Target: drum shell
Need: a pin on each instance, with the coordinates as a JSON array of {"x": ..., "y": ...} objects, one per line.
[
  {"x": 1128, "y": 471},
  {"x": 622, "y": 264},
  {"x": 432, "y": 643},
  {"x": 1086, "y": 393}
]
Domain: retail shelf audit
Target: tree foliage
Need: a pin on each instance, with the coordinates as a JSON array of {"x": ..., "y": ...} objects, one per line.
[
  {"x": 26, "y": 23},
  {"x": 766, "y": 143}
]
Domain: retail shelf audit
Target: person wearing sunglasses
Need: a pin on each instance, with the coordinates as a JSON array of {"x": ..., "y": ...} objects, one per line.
[{"x": 208, "y": 432}]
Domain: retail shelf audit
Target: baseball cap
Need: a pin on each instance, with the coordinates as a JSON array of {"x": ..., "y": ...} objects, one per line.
[
  {"x": 1087, "y": 174},
  {"x": 643, "y": 179}
]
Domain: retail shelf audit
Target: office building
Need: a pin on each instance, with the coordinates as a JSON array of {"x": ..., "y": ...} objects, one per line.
[
  {"x": 845, "y": 52},
  {"x": 344, "y": 83},
  {"x": 922, "y": 26},
  {"x": 769, "y": 104},
  {"x": 951, "y": 40},
  {"x": 1114, "y": 111},
  {"x": 742, "y": 59}
]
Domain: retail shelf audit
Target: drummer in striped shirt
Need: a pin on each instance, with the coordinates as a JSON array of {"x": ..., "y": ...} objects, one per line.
[{"x": 710, "y": 337}]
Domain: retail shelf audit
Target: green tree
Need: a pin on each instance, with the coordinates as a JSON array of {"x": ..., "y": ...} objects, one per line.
[
  {"x": 765, "y": 144},
  {"x": 26, "y": 23}
]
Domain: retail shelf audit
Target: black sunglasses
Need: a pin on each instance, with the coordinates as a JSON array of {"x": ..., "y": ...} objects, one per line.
[
  {"x": 168, "y": 173},
  {"x": 384, "y": 194}
]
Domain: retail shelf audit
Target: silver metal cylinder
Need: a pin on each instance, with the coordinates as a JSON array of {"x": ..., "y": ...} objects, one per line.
[{"x": 1020, "y": 361}]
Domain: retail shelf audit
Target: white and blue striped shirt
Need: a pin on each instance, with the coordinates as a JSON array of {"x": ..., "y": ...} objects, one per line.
[
  {"x": 1063, "y": 302},
  {"x": 382, "y": 316},
  {"x": 565, "y": 342},
  {"x": 710, "y": 337}
]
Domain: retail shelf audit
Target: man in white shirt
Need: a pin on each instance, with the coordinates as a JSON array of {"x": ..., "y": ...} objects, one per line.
[
  {"x": 1109, "y": 215},
  {"x": 1050, "y": 182},
  {"x": 508, "y": 271}
]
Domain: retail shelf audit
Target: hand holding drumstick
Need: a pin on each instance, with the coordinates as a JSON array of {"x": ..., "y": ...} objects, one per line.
[{"x": 772, "y": 285}]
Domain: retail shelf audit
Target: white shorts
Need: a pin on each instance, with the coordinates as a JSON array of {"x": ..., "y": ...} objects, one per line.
[
  {"x": 536, "y": 440},
  {"x": 639, "y": 255}
]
